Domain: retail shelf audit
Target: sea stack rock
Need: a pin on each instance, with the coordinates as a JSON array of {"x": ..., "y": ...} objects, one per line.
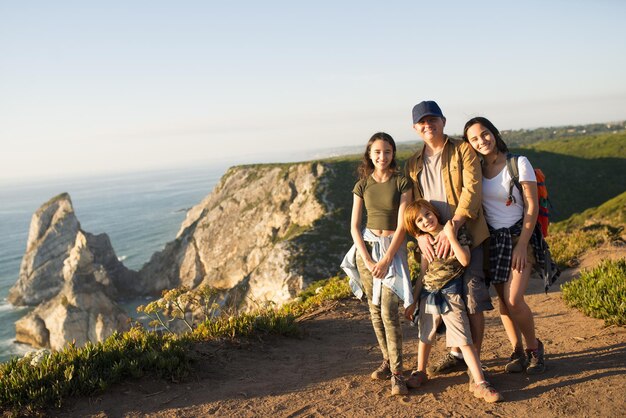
[
  {"x": 55, "y": 239},
  {"x": 243, "y": 236},
  {"x": 52, "y": 234},
  {"x": 81, "y": 311},
  {"x": 73, "y": 277}
]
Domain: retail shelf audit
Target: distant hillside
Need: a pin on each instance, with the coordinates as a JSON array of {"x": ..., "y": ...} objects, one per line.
[
  {"x": 581, "y": 172},
  {"x": 522, "y": 137}
]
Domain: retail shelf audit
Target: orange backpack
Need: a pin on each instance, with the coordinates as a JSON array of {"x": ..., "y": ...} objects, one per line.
[{"x": 543, "y": 219}]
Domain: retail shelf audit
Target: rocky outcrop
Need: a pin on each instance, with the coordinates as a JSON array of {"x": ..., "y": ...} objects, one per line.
[
  {"x": 73, "y": 277},
  {"x": 52, "y": 234},
  {"x": 241, "y": 235},
  {"x": 56, "y": 246}
]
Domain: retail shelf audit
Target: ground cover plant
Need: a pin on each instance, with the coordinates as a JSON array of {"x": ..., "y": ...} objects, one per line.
[
  {"x": 33, "y": 382},
  {"x": 600, "y": 292}
]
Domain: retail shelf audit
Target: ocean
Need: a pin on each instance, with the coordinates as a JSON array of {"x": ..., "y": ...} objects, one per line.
[{"x": 140, "y": 212}]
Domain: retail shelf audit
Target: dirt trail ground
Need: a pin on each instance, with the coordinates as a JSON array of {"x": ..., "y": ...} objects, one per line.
[{"x": 326, "y": 374}]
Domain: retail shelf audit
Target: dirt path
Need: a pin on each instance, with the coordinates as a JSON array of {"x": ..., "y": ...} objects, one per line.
[{"x": 327, "y": 373}]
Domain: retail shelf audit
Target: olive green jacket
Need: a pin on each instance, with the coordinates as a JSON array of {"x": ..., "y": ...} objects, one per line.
[{"x": 462, "y": 177}]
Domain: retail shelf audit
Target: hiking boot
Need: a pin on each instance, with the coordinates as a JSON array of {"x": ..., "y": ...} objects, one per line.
[
  {"x": 487, "y": 392},
  {"x": 383, "y": 372},
  {"x": 518, "y": 362},
  {"x": 416, "y": 379},
  {"x": 398, "y": 385},
  {"x": 535, "y": 360},
  {"x": 447, "y": 364}
]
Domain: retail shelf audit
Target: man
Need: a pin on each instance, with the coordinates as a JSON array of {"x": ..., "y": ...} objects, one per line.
[{"x": 447, "y": 172}]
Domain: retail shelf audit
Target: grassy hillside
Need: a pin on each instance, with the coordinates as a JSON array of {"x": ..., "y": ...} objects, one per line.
[
  {"x": 590, "y": 229},
  {"x": 582, "y": 173}
]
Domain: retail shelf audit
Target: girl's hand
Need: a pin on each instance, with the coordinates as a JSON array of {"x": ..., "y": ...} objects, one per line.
[
  {"x": 409, "y": 312},
  {"x": 369, "y": 263},
  {"x": 519, "y": 257},
  {"x": 380, "y": 269},
  {"x": 425, "y": 243}
]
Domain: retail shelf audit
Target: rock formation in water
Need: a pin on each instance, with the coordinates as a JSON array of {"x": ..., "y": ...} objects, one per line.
[
  {"x": 243, "y": 236},
  {"x": 72, "y": 277}
]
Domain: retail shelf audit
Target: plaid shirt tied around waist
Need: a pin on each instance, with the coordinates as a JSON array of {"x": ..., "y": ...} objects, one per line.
[{"x": 501, "y": 250}]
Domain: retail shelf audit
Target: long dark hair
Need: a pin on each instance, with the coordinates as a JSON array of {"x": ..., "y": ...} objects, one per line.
[
  {"x": 500, "y": 145},
  {"x": 367, "y": 166}
]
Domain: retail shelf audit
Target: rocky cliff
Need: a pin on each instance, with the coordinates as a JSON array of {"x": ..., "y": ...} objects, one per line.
[
  {"x": 263, "y": 234},
  {"x": 73, "y": 278},
  {"x": 242, "y": 237}
]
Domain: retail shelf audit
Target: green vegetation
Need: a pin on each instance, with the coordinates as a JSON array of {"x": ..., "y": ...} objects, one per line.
[
  {"x": 581, "y": 172},
  {"x": 590, "y": 229},
  {"x": 523, "y": 137},
  {"x": 600, "y": 292},
  {"x": 32, "y": 383}
]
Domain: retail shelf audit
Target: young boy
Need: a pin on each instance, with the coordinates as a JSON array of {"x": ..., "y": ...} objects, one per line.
[{"x": 439, "y": 291}]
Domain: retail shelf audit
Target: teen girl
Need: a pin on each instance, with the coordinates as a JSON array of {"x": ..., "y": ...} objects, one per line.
[
  {"x": 377, "y": 262},
  {"x": 516, "y": 242}
]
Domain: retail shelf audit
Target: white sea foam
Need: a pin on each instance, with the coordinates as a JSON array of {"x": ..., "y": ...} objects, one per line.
[{"x": 122, "y": 258}]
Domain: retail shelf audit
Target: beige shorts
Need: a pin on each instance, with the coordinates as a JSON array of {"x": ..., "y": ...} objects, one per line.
[{"x": 458, "y": 331}]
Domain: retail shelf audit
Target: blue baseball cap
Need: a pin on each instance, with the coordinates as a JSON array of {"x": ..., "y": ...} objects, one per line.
[{"x": 426, "y": 108}]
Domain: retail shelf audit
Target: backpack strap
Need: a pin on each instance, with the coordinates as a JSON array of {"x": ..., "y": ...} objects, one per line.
[{"x": 511, "y": 165}]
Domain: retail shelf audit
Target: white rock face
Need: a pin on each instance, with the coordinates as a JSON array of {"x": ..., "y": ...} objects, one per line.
[
  {"x": 238, "y": 237},
  {"x": 73, "y": 277},
  {"x": 52, "y": 234}
]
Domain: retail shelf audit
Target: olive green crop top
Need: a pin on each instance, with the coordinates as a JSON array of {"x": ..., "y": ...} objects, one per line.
[{"x": 382, "y": 200}]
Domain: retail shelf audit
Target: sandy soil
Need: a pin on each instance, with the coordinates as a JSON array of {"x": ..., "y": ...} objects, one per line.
[{"x": 326, "y": 373}]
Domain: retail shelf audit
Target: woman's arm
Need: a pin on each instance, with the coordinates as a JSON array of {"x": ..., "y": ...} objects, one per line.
[
  {"x": 461, "y": 252},
  {"x": 381, "y": 267},
  {"x": 355, "y": 231},
  {"x": 531, "y": 210}
]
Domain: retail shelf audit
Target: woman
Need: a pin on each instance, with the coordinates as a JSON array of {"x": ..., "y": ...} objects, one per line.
[{"x": 515, "y": 239}]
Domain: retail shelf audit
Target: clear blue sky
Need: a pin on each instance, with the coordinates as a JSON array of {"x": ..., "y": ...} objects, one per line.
[{"x": 89, "y": 87}]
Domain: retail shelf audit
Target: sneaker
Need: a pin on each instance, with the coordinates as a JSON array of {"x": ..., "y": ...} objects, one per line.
[
  {"x": 416, "y": 379},
  {"x": 398, "y": 385},
  {"x": 535, "y": 360},
  {"x": 518, "y": 362},
  {"x": 447, "y": 364},
  {"x": 486, "y": 392},
  {"x": 383, "y": 372}
]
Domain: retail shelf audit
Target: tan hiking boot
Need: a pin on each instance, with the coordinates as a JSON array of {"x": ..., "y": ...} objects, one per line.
[
  {"x": 517, "y": 363},
  {"x": 416, "y": 379},
  {"x": 383, "y": 372},
  {"x": 398, "y": 385},
  {"x": 447, "y": 364},
  {"x": 487, "y": 392},
  {"x": 536, "y": 363}
]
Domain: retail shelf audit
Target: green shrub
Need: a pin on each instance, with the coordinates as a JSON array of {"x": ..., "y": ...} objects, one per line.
[
  {"x": 600, "y": 292},
  {"x": 27, "y": 385},
  {"x": 31, "y": 383}
]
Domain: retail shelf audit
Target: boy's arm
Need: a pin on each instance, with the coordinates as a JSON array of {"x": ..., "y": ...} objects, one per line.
[
  {"x": 461, "y": 252},
  {"x": 411, "y": 310}
]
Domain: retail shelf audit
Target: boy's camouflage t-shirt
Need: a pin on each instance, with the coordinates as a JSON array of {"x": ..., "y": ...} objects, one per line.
[{"x": 440, "y": 271}]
